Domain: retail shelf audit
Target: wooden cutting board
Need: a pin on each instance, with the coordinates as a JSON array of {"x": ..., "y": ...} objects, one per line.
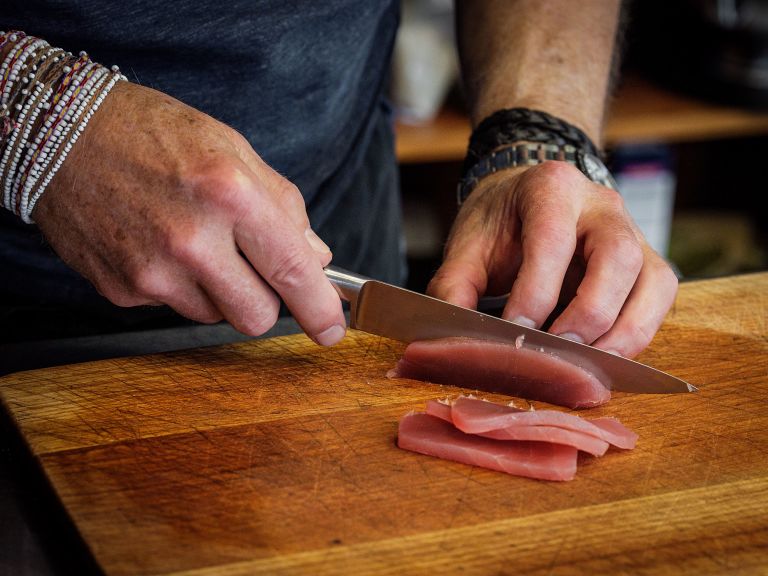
[{"x": 277, "y": 457}]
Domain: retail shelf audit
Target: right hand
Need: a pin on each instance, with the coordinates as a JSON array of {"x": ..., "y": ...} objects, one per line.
[{"x": 158, "y": 203}]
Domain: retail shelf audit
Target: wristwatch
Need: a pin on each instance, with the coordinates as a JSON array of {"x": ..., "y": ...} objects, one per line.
[{"x": 528, "y": 154}]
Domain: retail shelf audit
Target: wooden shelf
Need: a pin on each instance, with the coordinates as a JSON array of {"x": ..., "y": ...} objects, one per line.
[{"x": 641, "y": 112}]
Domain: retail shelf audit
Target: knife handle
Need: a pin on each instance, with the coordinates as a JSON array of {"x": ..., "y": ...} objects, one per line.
[{"x": 347, "y": 284}]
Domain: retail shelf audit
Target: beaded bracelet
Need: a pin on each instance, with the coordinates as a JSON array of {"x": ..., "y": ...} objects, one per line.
[{"x": 47, "y": 98}]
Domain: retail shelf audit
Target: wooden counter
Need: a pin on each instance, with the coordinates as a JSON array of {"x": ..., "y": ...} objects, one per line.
[
  {"x": 640, "y": 112},
  {"x": 279, "y": 457}
]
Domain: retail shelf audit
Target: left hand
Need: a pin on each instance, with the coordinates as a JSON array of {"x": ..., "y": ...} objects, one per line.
[{"x": 549, "y": 236}]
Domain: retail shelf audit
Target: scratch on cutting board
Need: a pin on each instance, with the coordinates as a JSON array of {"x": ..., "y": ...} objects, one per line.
[
  {"x": 329, "y": 428},
  {"x": 99, "y": 433},
  {"x": 651, "y": 466},
  {"x": 556, "y": 555},
  {"x": 459, "y": 502},
  {"x": 319, "y": 470}
]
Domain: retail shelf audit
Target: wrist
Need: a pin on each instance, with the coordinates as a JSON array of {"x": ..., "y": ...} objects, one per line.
[
  {"x": 517, "y": 125},
  {"x": 47, "y": 97},
  {"x": 516, "y": 137}
]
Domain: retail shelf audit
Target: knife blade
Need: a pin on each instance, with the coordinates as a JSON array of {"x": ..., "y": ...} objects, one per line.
[{"x": 386, "y": 310}]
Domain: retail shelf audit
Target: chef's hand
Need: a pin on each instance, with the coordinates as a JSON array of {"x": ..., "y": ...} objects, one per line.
[
  {"x": 158, "y": 203},
  {"x": 549, "y": 235}
]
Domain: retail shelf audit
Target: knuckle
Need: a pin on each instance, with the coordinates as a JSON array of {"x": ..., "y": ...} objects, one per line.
[
  {"x": 597, "y": 318},
  {"x": 148, "y": 282},
  {"x": 640, "y": 336},
  {"x": 664, "y": 278},
  {"x": 207, "y": 316},
  {"x": 627, "y": 252},
  {"x": 559, "y": 171},
  {"x": 119, "y": 293},
  {"x": 613, "y": 200},
  {"x": 237, "y": 137},
  {"x": 185, "y": 244},
  {"x": 290, "y": 272},
  {"x": 221, "y": 183},
  {"x": 119, "y": 297},
  {"x": 290, "y": 197},
  {"x": 289, "y": 190},
  {"x": 667, "y": 277},
  {"x": 259, "y": 319}
]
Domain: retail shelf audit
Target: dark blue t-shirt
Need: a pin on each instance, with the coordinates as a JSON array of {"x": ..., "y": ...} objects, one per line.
[{"x": 302, "y": 80}]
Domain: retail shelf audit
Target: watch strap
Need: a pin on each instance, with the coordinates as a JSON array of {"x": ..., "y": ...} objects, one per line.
[{"x": 522, "y": 154}]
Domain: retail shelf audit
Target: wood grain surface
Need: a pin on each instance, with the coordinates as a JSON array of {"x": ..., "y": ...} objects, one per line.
[{"x": 279, "y": 457}]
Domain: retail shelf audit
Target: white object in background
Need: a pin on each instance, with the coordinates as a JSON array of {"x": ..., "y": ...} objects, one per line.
[
  {"x": 648, "y": 189},
  {"x": 424, "y": 62}
]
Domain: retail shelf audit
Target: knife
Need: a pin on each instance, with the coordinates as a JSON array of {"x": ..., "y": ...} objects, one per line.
[{"x": 386, "y": 310}]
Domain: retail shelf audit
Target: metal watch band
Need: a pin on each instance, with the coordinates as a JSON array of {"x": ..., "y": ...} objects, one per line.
[{"x": 512, "y": 156}]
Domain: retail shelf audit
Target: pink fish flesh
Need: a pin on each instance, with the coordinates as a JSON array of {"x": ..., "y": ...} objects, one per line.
[
  {"x": 476, "y": 416},
  {"x": 539, "y": 433},
  {"x": 501, "y": 367},
  {"x": 434, "y": 436}
]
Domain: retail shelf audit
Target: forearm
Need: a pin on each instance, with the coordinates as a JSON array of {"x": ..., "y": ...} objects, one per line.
[{"x": 553, "y": 56}]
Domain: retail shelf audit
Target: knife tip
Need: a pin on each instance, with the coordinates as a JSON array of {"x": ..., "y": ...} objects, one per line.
[{"x": 691, "y": 387}]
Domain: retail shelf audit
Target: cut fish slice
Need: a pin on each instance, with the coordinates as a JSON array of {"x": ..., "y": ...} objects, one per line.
[
  {"x": 507, "y": 368},
  {"x": 475, "y": 416},
  {"x": 540, "y": 433},
  {"x": 426, "y": 434}
]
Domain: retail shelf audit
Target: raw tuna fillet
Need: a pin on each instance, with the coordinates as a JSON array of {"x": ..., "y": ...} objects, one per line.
[
  {"x": 476, "y": 416},
  {"x": 500, "y": 367},
  {"x": 433, "y": 436},
  {"x": 540, "y": 433}
]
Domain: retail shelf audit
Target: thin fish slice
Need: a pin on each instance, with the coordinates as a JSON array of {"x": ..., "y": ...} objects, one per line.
[
  {"x": 475, "y": 416},
  {"x": 426, "y": 434},
  {"x": 579, "y": 440}
]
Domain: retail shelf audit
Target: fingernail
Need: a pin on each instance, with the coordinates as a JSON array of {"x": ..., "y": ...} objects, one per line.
[
  {"x": 572, "y": 336},
  {"x": 523, "y": 321},
  {"x": 317, "y": 244},
  {"x": 331, "y": 336},
  {"x": 614, "y": 352}
]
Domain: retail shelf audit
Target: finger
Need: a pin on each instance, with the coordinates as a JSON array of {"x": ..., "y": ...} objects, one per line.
[
  {"x": 460, "y": 280},
  {"x": 238, "y": 292},
  {"x": 549, "y": 216},
  {"x": 644, "y": 311},
  {"x": 283, "y": 257},
  {"x": 193, "y": 303},
  {"x": 322, "y": 251},
  {"x": 286, "y": 193},
  {"x": 289, "y": 198},
  {"x": 113, "y": 283},
  {"x": 463, "y": 276},
  {"x": 235, "y": 290},
  {"x": 273, "y": 232},
  {"x": 614, "y": 259},
  {"x": 168, "y": 283}
]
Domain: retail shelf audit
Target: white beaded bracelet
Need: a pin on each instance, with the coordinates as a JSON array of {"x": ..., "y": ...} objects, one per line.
[
  {"x": 47, "y": 98},
  {"x": 62, "y": 156}
]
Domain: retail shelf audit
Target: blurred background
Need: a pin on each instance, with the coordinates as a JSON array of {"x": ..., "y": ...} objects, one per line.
[{"x": 686, "y": 133}]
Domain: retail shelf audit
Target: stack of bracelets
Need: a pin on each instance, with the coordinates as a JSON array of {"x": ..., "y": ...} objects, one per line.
[{"x": 47, "y": 97}]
